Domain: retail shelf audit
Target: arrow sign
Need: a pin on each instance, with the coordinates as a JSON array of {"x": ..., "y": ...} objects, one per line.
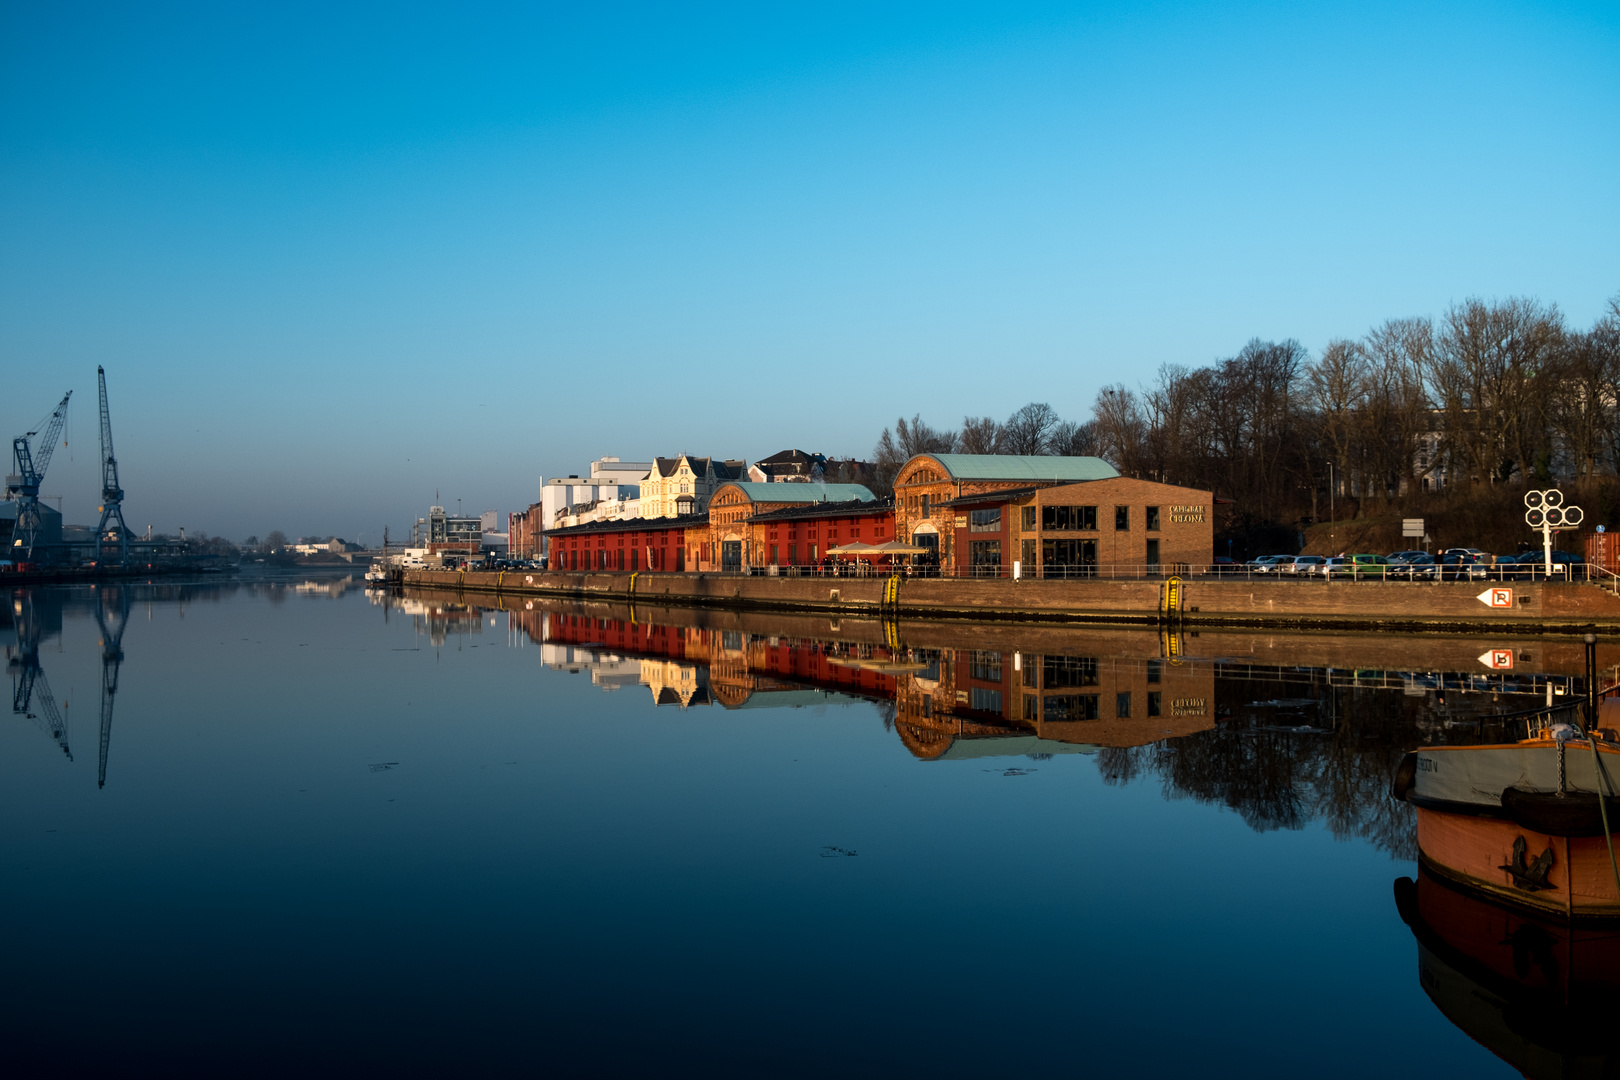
[
  {"x": 1496, "y": 598},
  {"x": 1497, "y": 659}
]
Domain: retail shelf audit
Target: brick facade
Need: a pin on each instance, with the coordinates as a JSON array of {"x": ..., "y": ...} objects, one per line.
[
  {"x": 1116, "y": 525},
  {"x": 732, "y": 521},
  {"x": 638, "y": 544}
]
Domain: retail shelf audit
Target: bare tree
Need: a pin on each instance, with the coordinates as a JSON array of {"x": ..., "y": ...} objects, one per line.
[
  {"x": 1490, "y": 360},
  {"x": 980, "y": 435},
  {"x": 1121, "y": 428},
  {"x": 1074, "y": 440},
  {"x": 905, "y": 442},
  {"x": 1027, "y": 430},
  {"x": 1400, "y": 412}
]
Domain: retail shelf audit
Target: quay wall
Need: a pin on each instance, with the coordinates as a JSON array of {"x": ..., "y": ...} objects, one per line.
[{"x": 1538, "y": 607}]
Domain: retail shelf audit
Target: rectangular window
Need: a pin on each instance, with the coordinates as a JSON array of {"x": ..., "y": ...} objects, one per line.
[
  {"x": 984, "y": 556},
  {"x": 1029, "y": 518},
  {"x": 985, "y": 520},
  {"x": 1068, "y": 518},
  {"x": 812, "y": 553},
  {"x": 1032, "y": 707},
  {"x": 1064, "y": 671},
  {"x": 1154, "y": 697},
  {"x": 1155, "y": 670},
  {"x": 1069, "y": 558},
  {"x": 1153, "y": 552},
  {"x": 925, "y": 506},
  {"x": 1063, "y": 708},
  {"x": 1122, "y": 519},
  {"x": 1122, "y": 706},
  {"x": 1031, "y": 673},
  {"x": 1153, "y": 519},
  {"x": 985, "y": 665},
  {"x": 773, "y": 554},
  {"x": 982, "y": 700},
  {"x": 1029, "y": 558},
  {"x": 793, "y": 554}
]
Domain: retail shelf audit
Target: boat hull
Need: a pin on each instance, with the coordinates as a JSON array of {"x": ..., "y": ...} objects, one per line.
[{"x": 1478, "y": 852}]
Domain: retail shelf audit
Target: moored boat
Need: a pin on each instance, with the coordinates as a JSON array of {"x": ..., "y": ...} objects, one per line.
[{"x": 1521, "y": 823}]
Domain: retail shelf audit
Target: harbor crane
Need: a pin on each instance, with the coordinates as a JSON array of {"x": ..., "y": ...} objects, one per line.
[
  {"x": 23, "y": 484},
  {"x": 112, "y": 615},
  {"x": 112, "y": 525},
  {"x": 31, "y": 688}
]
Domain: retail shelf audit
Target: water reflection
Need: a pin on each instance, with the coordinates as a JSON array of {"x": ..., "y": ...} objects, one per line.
[
  {"x": 1530, "y": 989},
  {"x": 32, "y": 617},
  {"x": 390, "y": 834},
  {"x": 1217, "y": 719}
]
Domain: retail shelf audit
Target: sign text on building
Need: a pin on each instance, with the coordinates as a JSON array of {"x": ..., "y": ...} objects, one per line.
[{"x": 1186, "y": 513}]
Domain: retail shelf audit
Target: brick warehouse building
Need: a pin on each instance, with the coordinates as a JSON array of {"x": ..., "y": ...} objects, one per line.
[
  {"x": 732, "y": 541},
  {"x": 635, "y": 544},
  {"x": 927, "y": 481},
  {"x": 1118, "y": 525},
  {"x": 802, "y": 535}
]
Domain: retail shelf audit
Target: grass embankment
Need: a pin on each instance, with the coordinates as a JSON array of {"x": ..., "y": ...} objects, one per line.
[{"x": 1488, "y": 518}]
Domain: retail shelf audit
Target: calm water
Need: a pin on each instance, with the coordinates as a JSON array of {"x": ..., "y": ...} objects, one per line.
[{"x": 414, "y": 836}]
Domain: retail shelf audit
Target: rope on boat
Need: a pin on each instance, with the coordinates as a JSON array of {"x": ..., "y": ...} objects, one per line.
[{"x": 1597, "y": 760}]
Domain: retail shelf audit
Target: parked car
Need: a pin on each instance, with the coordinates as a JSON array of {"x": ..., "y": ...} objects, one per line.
[
  {"x": 1271, "y": 564},
  {"x": 1458, "y": 564},
  {"x": 1409, "y": 566},
  {"x": 1333, "y": 567},
  {"x": 1361, "y": 566},
  {"x": 1305, "y": 564},
  {"x": 1533, "y": 564}
]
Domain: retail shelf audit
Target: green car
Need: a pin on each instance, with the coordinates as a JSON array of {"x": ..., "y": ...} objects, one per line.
[{"x": 1361, "y": 566}]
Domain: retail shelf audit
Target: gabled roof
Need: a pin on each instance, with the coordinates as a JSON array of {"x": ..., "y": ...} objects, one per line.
[
  {"x": 1022, "y": 467},
  {"x": 849, "y": 508},
  {"x": 683, "y": 521},
  {"x": 723, "y": 470},
  {"x": 1001, "y": 495},
  {"x": 799, "y": 493},
  {"x": 789, "y": 457}
]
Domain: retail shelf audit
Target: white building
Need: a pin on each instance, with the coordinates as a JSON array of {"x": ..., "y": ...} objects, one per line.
[{"x": 610, "y": 479}]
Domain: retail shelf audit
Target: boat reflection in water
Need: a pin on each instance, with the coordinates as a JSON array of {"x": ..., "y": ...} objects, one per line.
[{"x": 1537, "y": 991}]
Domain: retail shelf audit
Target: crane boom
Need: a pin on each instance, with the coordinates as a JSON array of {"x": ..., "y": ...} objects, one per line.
[
  {"x": 23, "y": 484},
  {"x": 112, "y": 528}
]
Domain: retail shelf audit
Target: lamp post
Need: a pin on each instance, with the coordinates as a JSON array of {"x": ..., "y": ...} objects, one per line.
[{"x": 1332, "y": 516}]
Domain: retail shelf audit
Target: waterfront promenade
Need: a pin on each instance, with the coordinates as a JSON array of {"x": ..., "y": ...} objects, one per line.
[{"x": 1532, "y": 607}]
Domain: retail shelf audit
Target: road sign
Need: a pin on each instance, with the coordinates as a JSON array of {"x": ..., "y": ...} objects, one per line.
[
  {"x": 1412, "y": 527},
  {"x": 1496, "y": 598},
  {"x": 1497, "y": 659}
]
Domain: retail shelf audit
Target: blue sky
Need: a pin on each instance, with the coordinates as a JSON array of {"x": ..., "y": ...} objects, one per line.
[{"x": 337, "y": 257}]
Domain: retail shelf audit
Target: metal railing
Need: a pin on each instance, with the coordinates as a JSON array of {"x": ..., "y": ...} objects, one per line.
[{"x": 1508, "y": 573}]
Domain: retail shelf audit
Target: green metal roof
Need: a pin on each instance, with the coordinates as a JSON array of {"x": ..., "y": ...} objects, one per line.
[
  {"x": 800, "y": 493},
  {"x": 1019, "y": 467}
]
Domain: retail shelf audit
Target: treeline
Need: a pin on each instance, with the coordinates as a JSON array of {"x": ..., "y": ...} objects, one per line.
[{"x": 1490, "y": 394}]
